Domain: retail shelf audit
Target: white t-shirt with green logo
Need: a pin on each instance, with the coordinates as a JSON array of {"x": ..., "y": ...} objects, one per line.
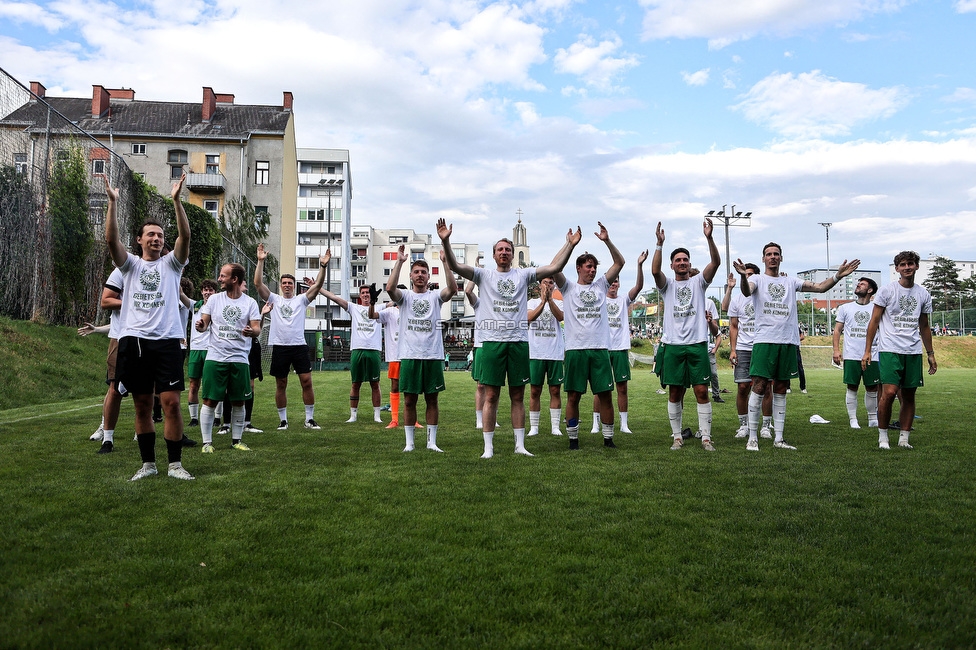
[
  {"x": 420, "y": 331},
  {"x": 287, "y": 319},
  {"x": 898, "y": 330},
  {"x": 585, "y": 314},
  {"x": 228, "y": 317}
]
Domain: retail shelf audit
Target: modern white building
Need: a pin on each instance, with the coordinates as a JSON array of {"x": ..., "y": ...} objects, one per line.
[
  {"x": 843, "y": 291},
  {"x": 967, "y": 269},
  {"x": 322, "y": 222}
]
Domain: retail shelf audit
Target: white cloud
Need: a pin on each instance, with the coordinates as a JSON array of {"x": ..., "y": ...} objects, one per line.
[
  {"x": 594, "y": 62},
  {"x": 699, "y": 78},
  {"x": 965, "y": 6},
  {"x": 868, "y": 198},
  {"x": 812, "y": 105},
  {"x": 725, "y": 22},
  {"x": 963, "y": 95},
  {"x": 30, "y": 14}
]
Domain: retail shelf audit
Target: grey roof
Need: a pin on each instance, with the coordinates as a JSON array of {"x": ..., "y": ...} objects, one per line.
[{"x": 148, "y": 118}]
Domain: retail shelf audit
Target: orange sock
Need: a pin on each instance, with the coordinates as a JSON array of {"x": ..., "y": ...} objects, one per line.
[{"x": 395, "y": 406}]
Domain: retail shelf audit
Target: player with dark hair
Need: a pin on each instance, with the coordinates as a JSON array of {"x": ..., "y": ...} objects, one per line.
[{"x": 852, "y": 322}]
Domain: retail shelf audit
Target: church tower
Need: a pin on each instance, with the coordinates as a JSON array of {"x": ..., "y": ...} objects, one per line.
[{"x": 521, "y": 258}]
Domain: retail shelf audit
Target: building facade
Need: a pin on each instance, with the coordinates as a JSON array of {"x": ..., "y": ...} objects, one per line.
[{"x": 227, "y": 150}]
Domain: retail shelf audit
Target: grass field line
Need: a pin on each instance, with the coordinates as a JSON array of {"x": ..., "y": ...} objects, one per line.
[{"x": 46, "y": 411}]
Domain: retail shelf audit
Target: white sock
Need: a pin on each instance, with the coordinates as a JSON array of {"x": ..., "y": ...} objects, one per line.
[
  {"x": 477, "y": 419},
  {"x": 432, "y": 437},
  {"x": 376, "y": 414},
  {"x": 596, "y": 423},
  {"x": 520, "y": 442},
  {"x": 623, "y": 422},
  {"x": 871, "y": 404},
  {"x": 779, "y": 415},
  {"x": 489, "y": 444},
  {"x": 219, "y": 410},
  {"x": 755, "y": 412},
  {"x": 309, "y": 412},
  {"x": 236, "y": 422},
  {"x": 767, "y": 420},
  {"x": 744, "y": 419},
  {"x": 194, "y": 410},
  {"x": 534, "y": 417},
  {"x": 674, "y": 416},
  {"x": 850, "y": 399},
  {"x": 882, "y": 436},
  {"x": 408, "y": 432},
  {"x": 608, "y": 431},
  {"x": 283, "y": 414},
  {"x": 705, "y": 420},
  {"x": 903, "y": 437},
  {"x": 555, "y": 417},
  {"x": 353, "y": 415},
  {"x": 207, "y": 415},
  {"x": 108, "y": 435},
  {"x": 572, "y": 432}
]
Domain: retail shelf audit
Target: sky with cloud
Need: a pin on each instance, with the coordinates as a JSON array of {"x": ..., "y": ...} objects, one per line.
[{"x": 861, "y": 113}]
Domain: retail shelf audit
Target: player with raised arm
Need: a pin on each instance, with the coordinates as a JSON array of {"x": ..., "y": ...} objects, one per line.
[
  {"x": 287, "y": 337},
  {"x": 742, "y": 332},
  {"x": 685, "y": 339},
  {"x": 546, "y": 352},
  {"x": 852, "y": 322}
]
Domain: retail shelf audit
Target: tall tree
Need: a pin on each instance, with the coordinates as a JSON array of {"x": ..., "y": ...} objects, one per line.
[
  {"x": 243, "y": 228},
  {"x": 943, "y": 283},
  {"x": 71, "y": 232}
]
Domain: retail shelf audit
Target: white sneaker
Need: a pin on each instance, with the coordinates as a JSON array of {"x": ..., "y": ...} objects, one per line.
[
  {"x": 782, "y": 444},
  {"x": 312, "y": 424},
  {"x": 742, "y": 432},
  {"x": 676, "y": 444},
  {"x": 789, "y": 390},
  {"x": 804, "y": 391},
  {"x": 135, "y": 437},
  {"x": 99, "y": 432},
  {"x": 661, "y": 391},
  {"x": 854, "y": 424},
  {"x": 765, "y": 433},
  {"x": 176, "y": 470},
  {"x": 752, "y": 445},
  {"x": 252, "y": 429},
  {"x": 351, "y": 420},
  {"x": 147, "y": 469}
]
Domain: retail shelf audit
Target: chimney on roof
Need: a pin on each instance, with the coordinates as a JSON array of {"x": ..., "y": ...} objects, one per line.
[
  {"x": 38, "y": 88},
  {"x": 225, "y": 98},
  {"x": 127, "y": 94},
  {"x": 209, "y": 103},
  {"x": 99, "y": 102},
  {"x": 288, "y": 99}
]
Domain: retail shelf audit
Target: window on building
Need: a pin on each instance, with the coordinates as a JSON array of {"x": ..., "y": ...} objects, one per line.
[
  {"x": 398, "y": 239},
  {"x": 96, "y": 210},
  {"x": 20, "y": 163},
  {"x": 435, "y": 270},
  {"x": 138, "y": 148},
  {"x": 337, "y": 214},
  {"x": 176, "y": 159},
  {"x": 141, "y": 175},
  {"x": 262, "y": 172},
  {"x": 361, "y": 252},
  {"x": 308, "y": 262},
  {"x": 390, "y": 256},
  {"x": 213, "y": 163},
  {"x": 387, "y": 272},
  {"x": 213, "y": 207},
  {"x": 416, "y": 256},
  {"x": 457, "y": 307},
  {"x": 98, "y": 166},
  {"x": 261, "y": 209},
  {"x": 459, "y": 254}
]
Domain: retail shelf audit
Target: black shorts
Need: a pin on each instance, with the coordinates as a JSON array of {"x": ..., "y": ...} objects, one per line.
[
  {"x": 146, "y": 366},
  {"x": 254, "y": 360},
  {"x": 284, "y": 357}
]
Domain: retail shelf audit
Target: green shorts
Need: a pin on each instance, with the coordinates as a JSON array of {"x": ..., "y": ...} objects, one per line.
[
  {"x": 540, "y": 369},
  {"x": 501, "y": 359},
  {"x": 221, "y": 379},
  {"x": 903, "y": 370},
  {"x": 620, "y": 365},
  {"x": 421, "y": 376},
  {"x": 194, "y": 367},
  {"x": 685, "y": 365},
  {"x": 775, "y": 361},
  {"x": 853, "y": 373},
  {"x": 364, "y": 365},
  {"x": 475, "y": 368},
  {"x": 591, "y": 366}
]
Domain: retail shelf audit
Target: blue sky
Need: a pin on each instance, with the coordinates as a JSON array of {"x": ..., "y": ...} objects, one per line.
[{"x": 857, "y": 112}]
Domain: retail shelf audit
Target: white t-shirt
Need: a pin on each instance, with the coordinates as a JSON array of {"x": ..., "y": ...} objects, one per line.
[
  {"x": 502, "y": 313},
  {"x": 744, "y": 309},
  {"x": 151, "y": 302},
  {"x": 420, "y": 332},
  {"x": 116, "y": 283},
  {"x": 775, "y": 303},
  {"x": 228, "y": 317},
  {"x": 713, "y": 310},
  {"x": 287, "y": 319},
  {"x": 898, "y": 330},
  {"x": 545, "y": 334},
  {"x": 390, "y": 319},
  {"x": 855, "y": 319},
  {"x": 684, "y": 311},
  {"x": 477, "y": 328},
  {"x": 199, "y": 340},
  {"x": 618, "y": 319},
  {"x": 367, "y": 334},
  {"x": 585, "y": 314}
]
